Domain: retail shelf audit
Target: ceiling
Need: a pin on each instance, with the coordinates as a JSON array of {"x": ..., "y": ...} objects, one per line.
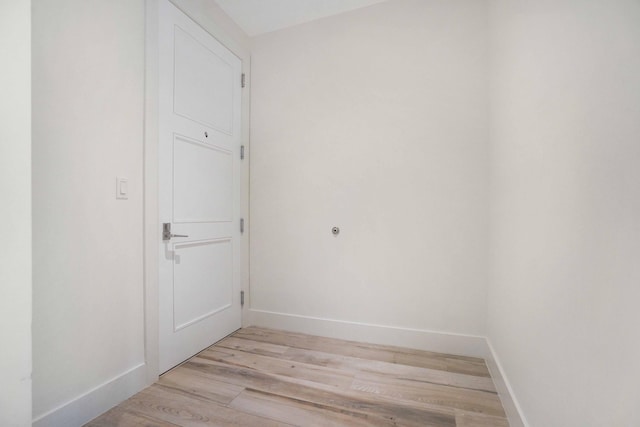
[{"x": 262, "y": 16}]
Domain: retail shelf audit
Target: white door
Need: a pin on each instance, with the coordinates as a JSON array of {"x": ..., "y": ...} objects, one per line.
[{"x": 199, "y": 153}]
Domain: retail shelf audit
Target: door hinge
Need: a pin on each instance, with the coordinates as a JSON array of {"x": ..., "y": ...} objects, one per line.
[
  {"x": 243, "y": 80},
  {"x": 241, "y": 225},
  {"x": 241, "y": 298},
  {"x": 242, "y": 152}
]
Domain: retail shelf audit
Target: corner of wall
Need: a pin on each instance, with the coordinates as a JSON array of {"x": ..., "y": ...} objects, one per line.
[
  {"x": 507, "y": 397},
  {"x": 15, "y": 211}
]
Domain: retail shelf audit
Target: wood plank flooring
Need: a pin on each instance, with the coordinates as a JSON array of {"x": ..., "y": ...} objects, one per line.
[{"x": 262, "y": 377}]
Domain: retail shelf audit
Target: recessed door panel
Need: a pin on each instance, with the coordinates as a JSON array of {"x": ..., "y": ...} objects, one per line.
[
  {"x": 202, "y": 281},
  {"x": 202, "y": 182},
  {"x": 203, "y": 89}
]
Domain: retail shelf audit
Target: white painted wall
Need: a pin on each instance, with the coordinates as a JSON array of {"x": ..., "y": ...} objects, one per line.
[
  {"x": 15, "y": 213},
  {"x": 88, "y": 76},
  {"x": 374, "y": 121},
  {"x": 563, "y": 302}
]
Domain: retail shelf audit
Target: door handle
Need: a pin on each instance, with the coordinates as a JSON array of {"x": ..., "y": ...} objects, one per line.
[{"x": 166, "y": 232}]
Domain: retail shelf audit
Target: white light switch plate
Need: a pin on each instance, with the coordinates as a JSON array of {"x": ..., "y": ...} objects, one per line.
[{"x": 122, "y": 188}]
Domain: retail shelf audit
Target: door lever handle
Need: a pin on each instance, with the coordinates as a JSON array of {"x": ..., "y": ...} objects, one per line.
[{"x": 166, "y": 232}]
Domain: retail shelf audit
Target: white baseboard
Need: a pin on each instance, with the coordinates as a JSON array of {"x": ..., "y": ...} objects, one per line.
[
  {"x": 420, "y": 339},
  {"x": 509, "y": 402},
  {"x": 86, "y": 407},
  {"x": 442, "y": 342}
]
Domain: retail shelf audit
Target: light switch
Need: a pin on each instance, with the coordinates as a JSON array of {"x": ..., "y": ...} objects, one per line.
[{"x": 122, "y": 188}]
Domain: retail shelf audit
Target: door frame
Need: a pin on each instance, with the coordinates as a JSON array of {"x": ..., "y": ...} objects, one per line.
[{"x": 152, "y": 227}]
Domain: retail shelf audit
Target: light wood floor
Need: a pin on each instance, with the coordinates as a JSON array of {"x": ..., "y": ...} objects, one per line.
[{"x": 261, "y": 377}]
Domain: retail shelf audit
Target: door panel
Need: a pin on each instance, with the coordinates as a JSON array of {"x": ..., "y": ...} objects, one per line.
[
  {"x": 203, "y": 83},
  {"x": 202, "y": 280},
  {"x": 202, "y": 182},
  {"x": 199, "y": 195}
]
